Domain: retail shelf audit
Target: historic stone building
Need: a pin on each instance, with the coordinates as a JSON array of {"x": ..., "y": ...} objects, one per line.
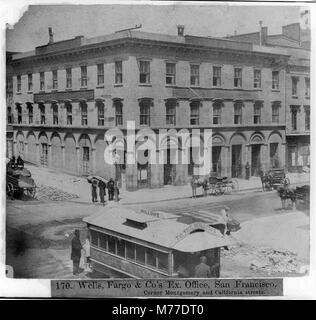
[
  {"x": 67, "y": 94},
  {"x": 294, "y": 42}
]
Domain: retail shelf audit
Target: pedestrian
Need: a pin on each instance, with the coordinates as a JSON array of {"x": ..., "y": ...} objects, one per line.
[
  {"x": 111, "y": 186},
  {"x": 94, "y": 184},
  {"x": 86, "y": 248},
  {"x": 202, "y": 270},
  {"x": 102, "y": 193},
  {"x": 247, "y": 171},
  {"x": 116, "y": 191},
  {"x": 13, "y": 163},
  {"x": 19, "y": 163},
  {"x": 76, "y": 248}
]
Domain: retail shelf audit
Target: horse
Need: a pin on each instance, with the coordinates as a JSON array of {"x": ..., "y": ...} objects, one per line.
[
  {"x": 196, "y": 183},
  {"x": 285, "y": 194},
  {"x": 266, "y": 181}
]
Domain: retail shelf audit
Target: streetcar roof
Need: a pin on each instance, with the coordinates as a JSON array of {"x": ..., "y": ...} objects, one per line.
[{"x": 166, "y": 231}]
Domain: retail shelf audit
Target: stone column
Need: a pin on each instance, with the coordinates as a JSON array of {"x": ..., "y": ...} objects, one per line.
[
  {"x": 228, "y": 160},
  {"x": 224, "y": 161},
  {"x": 243, "y": 160},
  {"x": 78, "y": 160},
  {"x": 93, "y": 160},
  {"x": 38, "y": 157},
  {"x": 63, "y": 156},
  {"x": 49, "y": 162}
]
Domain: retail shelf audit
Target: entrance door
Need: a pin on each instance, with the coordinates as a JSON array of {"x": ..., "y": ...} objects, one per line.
[
  {"x": 143, "y": 175},
  {"x": 44, "y": 154},
  {"x": 236, "y": 161},
  {"x": 292, "y": 158},
  {"x": 169, "y": 170},
  {"x": 85, "y": 160},
  {"x": 216, "y": 160},
  {"x": 274, "y": 158},
  {"x": 255, "y": 160}
]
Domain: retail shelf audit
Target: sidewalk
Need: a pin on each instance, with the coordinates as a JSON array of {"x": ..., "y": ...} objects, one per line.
[{"x": 78, "y": 189}]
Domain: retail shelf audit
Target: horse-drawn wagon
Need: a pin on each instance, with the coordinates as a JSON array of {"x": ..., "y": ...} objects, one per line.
[
  {"x": 273, "y": 179},
  {"x": 19, "y": 182}
]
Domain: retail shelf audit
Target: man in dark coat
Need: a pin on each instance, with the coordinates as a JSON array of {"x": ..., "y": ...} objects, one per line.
[
  {"x": 102, "y": 186},
  {"x": 76, "y": 252},
  {"x": 19, "y": 162},
  {"x": 111, "y": 186},
  {"x": 94, "y": 185}
]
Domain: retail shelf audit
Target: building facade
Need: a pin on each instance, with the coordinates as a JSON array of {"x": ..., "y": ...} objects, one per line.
[
  {"x": 67, "y": 94},
  {"x": 294, "y": 42}
]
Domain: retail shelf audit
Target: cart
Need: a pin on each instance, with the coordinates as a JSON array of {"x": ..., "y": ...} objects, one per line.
[
  {"x": 19, "y": 182},
  {"x": 277, "y": 177},
  {"x": 221, "y": 185}
]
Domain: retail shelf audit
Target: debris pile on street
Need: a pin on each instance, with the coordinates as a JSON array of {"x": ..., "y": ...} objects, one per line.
[
  {"x": 274, "y": 262},
  {"x": 53, "y": 194}
]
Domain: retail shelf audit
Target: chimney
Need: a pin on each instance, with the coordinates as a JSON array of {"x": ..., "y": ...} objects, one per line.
[
  {"x": 263, "y": 34},
  {"x": 180, "y": 30},
  {"x": 51, "y": 35}
]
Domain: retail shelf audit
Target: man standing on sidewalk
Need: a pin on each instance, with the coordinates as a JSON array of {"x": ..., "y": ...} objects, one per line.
[
  {"x": 102, "y": 187},
  {"x": 111, "y": 186},
  {"x": 76, "y": 252},
  {"x": 94, "y": 184}
]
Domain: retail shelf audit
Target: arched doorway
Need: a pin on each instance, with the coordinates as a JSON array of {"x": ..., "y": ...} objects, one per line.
[
  {"x": 43, "y": 141},
  {"x": 70, "y": 154},
  {"x": 85, "y": 154},
  {"x": 20, "y": 144},
  {"x": 57, "y": 161},
  {"x": 256, "y": 142},
  {"x": 275, "y": 141},
  {"x": 31, "y": 145},
  {"x": 237, "y": 143}
]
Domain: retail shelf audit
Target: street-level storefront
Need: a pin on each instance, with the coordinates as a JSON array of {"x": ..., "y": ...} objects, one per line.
[
  {"x": 298, "y": 153},
  {"x": 151, "y": 244}
]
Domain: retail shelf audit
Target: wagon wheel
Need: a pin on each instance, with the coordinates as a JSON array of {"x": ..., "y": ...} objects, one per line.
[
  {"x": 10, "y": 190},
  {"x": 220, "y": 188},
  {"x": 31, "y": 192},
  {"x": 234, "y": 184}
]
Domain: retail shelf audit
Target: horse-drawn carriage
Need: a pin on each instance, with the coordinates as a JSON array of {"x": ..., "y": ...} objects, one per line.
[
  {"x": 273, "y": 179},
  {"x": 214, "y": 185},
  {"x": 19, "y": 182}
]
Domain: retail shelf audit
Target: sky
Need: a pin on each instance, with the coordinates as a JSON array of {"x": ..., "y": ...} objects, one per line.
[{"x": 69, "y": 21}]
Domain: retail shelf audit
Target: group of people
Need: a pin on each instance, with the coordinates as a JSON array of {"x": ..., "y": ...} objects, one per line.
[
  {"x": 76, "y": 250},
  {"x": 16, "y": 163},
  {"x": 112, "y": 186}
]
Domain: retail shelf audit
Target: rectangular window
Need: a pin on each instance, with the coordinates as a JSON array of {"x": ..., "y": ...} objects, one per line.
[
  {"x": 112, "y": 244},
  {"x": 275, "y": 113},
  {"x": 118, "y": 72},
  {"x": 103, "y": 241},
  {"x": 195, "y": 113},
  {"x": 55, "y": 113},
  {"x": 144, "y": 71},
  {"x": 162, "y": 261},
  {"x": 30, "y": 82},
  {"x": 19, "y": 110},
  {"x": 217, "y": 76},
  {"x": 69, "y": 113},
  {"x": 18, "y": 83},
  {"x": 294, "y": 86},
  {"x": 237, "y": 77},
  {"x": 140, "y": 254},
  {"x": 257, "y": 112},
  {"x": 94, "y": 238},
  {"x": 238, "y": 113},
  {"x": 118, "y": 113},
  {"x": 195, "y": 75},
  {"x": 217, "y": 113},
  {"x": 68, "y": 78},
  {"x": 257, "y": 79},
  {"x": 84, "y": 76},
  {"x": 130, "y": 250},
  {"x": 170, "y": 73},
  {"x": 294, "y": 119},
  {"x": 30, "y": 109},
  {"x": 144, "y": 114},
  {"x": 84, "y": 114},
  {"x": 55, "y": 79},
  {"x": 275, "y": 80},
  {"x": 307, "y": 118},
  {"x": 120, "y": 244},
  {"x": 307, "y": 87},
  {"x": 171, "y": 113},
  {"x": 42, "y": 113},
  {"x": 42, "y": 81},
  {"x": 100, "y": 114},
  {"x": 10, "y": 115},
  {"x": 100, "y": 73},
  {"x": 151, "y": 258}
]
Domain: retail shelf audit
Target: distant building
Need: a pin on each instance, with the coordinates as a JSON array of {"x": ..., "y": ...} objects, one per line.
[
  {"x": 66, "y": 95},
  {"x": 294, "y": 42}
]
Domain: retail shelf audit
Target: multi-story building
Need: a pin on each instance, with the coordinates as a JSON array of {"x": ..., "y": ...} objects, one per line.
[
  {"x": 67, "y": 94},
  {"x": 294, "y": 42}
]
